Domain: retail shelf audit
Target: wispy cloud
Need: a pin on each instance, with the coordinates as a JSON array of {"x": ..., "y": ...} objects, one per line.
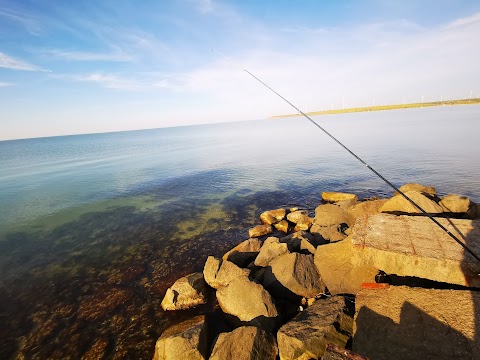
[
  {"x": 9, "y": 62},
  {"x": 203, "y": 6},
  {"x": 115, "y": 56},
  {"x": 4, "y": 84},
  {"x": 110, "y": 81}
]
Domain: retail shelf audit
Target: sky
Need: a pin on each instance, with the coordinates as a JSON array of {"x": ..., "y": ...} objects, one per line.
[{"x": 88, "y": 66}]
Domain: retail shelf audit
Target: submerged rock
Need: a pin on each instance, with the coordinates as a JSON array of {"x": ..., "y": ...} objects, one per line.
[
  {"x": 220, "y": 273},
  {"x": 245, "y": 343},
  {"x": 271, "y": 249},
  {"x": 401, "y": 205},
  {"x": 307, "y": 335},
  {"x": 260, "y": 230},
  {"x": 244, "y": 253},
  {"x": 337, "y": 196},
  {"x": 185, "y": 293},
  {"x": 186, "y": 340},
  {"x": 272, "y": 216},
  {"x": 293, "y": 275},
  {"x": 248, "y": 303}
]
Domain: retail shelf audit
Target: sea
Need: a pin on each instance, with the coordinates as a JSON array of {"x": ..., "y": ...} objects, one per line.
[{"x": 94, "y": 228}]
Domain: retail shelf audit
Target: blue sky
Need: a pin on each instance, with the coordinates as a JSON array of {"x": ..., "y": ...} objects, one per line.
[{"x": 69, "y": 67}]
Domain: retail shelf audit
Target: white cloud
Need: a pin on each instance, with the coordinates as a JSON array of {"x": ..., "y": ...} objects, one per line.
[
  {"x": 17, "y": 64},
  {"x": 4, "y": 84}
]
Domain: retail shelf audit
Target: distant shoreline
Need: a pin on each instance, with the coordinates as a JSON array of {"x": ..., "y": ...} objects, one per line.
[{"x": 386, "y": 107}]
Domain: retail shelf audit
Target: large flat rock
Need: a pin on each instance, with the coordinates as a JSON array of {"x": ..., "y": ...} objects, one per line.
[
  {"x": 414, "y": 323},
  {"x": 415, "y": 246}
]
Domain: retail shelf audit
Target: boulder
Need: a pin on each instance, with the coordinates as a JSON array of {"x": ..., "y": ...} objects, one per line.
[
  {"x": 455, "y": 203},
  {"x": 398, "y": 204},
  {"x": 347, "y": 204},
  {"x": 334, "y": 352},
  {"x": 366, "y": 208},
  {"x": 307, "y": 335},
  {"x": 224, "y": 274},
  {"x": 303, "y": 223},
  {"x": 301, "y": 242},
  {"x": 282, "y": 226},
  {"x": 272, "y": 216},
  {"x": 428, "y": 190},
  {"x": 328, "y": 233},
  {"x": 271, "y": 249},
  {"x": 248, "y": 303},
  {"x": 414, "y": 246},
  {"x": 245, "y": 343},
  {"x": 210, "y": 271},
  {"x": 244, "y": 253},
  {"x": 340, "y": 276},
  {"x": 329, "y": 214},
  {"x": 292, "y": 276},
  {"x": 186, "y": 340},
  {"x": 185, "y": 293},
  {"x": 401, "y": 322},
  {"x": 337, "y": 196},
  {"x": 260, "y": 230},
  {"x": 297, "y": 216}
]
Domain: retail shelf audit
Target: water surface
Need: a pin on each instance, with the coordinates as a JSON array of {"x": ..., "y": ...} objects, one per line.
[{"x": 94, "y": 228}]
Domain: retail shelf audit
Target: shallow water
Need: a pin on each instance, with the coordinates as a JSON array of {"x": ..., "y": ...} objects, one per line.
[{"x": 94, "y": 228}]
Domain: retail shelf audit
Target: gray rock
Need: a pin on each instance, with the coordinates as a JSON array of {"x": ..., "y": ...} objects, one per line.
[
  {"x": 186, "y": 340},
  {"x": 224, "y": 274},
  {"x": 293, "y": 275},
  {"x": 185, "y": 293},
  {"x": 306, "y": 336},
  {"x": 248, "y": 303},
  {"x": 244, "y": 253},
  {"x": 245, "y": 343},
  {"x": 271, "y": 249}
]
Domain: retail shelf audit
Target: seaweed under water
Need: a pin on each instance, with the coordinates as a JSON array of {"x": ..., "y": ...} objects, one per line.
[{"x": 91, "y": 288}]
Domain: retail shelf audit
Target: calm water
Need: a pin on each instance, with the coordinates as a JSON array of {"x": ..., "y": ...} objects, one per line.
[{"x": 93, "y": 228}]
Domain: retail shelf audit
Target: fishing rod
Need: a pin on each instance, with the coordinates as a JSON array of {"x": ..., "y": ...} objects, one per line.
[{"x": 465, "y": 247}]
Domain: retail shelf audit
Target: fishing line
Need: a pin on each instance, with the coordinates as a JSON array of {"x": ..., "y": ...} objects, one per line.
[{"x": 466, "y": 248}]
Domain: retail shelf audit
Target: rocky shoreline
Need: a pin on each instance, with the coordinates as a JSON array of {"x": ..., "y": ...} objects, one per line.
[{"x": 319, "y": 287}]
